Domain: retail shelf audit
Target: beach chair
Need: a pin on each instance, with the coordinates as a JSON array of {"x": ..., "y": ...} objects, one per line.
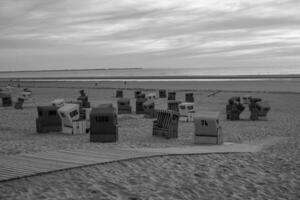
[
  {"x": 48, "y": 119},
  {"x": 58, "y": 103},
  {"x": 234, "y": 108},
  {"x": 166, "y": 124},
  {"x": 151, "y": 96},
  {"x": 149, "y": 109},
  {"x": 119, "y": 94},
  {"x": 187, "y": 111},
  {"x": 124, "y": 106},
  {"x": 68, "y": 114},
  {"x": 137, "y": 93},
  {"x": 83, "y": 98},
  {"x": 104, "y": 124},
  {"x": 173, "y": 105},
  {"x": 6, "y": 99},
  {"x": 139, "y": 107},
  {"x": 19, "y": 103},
  {"x": 189, "y": 97},
  {"x": 258, "y": 108},
  {"x": 171, "y": 95},
  {"x": 207, "y": 128},
  {"x": 246, "y": 99},
  {"x": 162, "y": 93}
]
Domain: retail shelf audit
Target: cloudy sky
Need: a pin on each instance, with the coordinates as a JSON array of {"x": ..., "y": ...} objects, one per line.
[{"x": 48, "y": 34}]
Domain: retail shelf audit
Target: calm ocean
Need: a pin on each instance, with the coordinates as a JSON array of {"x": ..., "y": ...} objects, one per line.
[{"x": 140, "y": 74}]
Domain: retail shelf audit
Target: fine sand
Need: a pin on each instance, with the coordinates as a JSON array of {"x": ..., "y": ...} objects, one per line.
[{"x": 271, "y": 174}]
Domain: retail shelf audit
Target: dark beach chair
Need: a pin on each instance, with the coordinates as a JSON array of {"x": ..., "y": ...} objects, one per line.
[
  {"x": 139, "y": 107},
  {"x": 104, "y": 124},
  {"x": 171, "y": 95},
  {"x": 6, "y": 100},
  {"x": 189, "y": 97},
  {"x": 162, "y": 93},
  {"x": 48, "y": 119},
  {"x": 124, "y": 106},
  {"x": 119, "y": 94},
  {"x": 19, "y": 103},
  {"x": 166, "y": 124}
]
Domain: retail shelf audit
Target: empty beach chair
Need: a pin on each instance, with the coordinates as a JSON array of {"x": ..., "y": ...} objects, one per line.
[
  {"x": 124, "y": 106},
  {"x": 58, "y": 102},
  {"x": 48, "y": 119},
  {"x": 19, "y": 103},
  {"x": 149, "y": 109},
  {"x": 187, "y": 111},
  {"x": 166, "y": 124},
  {"x": 137, "y": 93},
  {"x": 263, "y": 108},
  {"x": 171, "y": 95},
  {"x": 151, "y": 96},
  {"x": 173, "y": 105},
  {"x": 139, "y": 107},
  {"x": 189, "y": 97},
  {"x": 104, "y": 124},
  {"x": 68, "y": 113},
  {"x": 6, "y": 99},
  {"x": 119, "y": 94},
  {"x": 162, "y": 93},
  {"x": 207, "y": 128}
]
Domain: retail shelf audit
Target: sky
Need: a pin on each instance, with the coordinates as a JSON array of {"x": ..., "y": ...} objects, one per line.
[{"x": 75, "y": 34}]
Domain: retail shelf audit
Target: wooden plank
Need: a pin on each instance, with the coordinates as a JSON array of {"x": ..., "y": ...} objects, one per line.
[
  {"x": 53, "y": 160},
  {"x": 66, "y": 158},
  {"x": 97, "y": 156},
  {"x": 84, "y": 159}
]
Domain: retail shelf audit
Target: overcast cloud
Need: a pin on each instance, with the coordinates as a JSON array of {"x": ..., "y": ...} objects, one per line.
[{"x": 47, "y": 34}]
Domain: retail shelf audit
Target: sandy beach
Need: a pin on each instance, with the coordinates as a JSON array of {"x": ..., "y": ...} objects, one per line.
[{"x": 270, "y": 174}]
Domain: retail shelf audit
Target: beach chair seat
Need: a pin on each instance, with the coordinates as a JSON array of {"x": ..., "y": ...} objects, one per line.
[
  {"x": 187, "y": 111},
  {"x": 48, "y": 119},
  {"x": 68, "y": 113},
  {"x": 207, "y": 128},
  {"x": 137, "y": 93},
  {"x": 6, "y": 99},
  {"x": 119, "y": 94},
  {"x": 166, "y": 124},
  {"x": 162, "y": 93},
  {"x": 139, "y": 107},
  {"x": 124, "y": 106},
  {"x": 171, "y": 95},
  {"x": 103, "y": 124},
  {"x": 189, "y": 97}
]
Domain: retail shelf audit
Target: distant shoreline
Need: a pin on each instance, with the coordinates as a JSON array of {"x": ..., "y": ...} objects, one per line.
[{"x": 187, "y": 77}]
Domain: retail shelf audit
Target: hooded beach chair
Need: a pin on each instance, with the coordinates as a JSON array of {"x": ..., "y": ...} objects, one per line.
[
  {"x": 162, "y": 93},
  {"x": 124, "y": 106},
  {"x": 6, "y": 99},
  {"x": 69, "y": 115},
  {"x": 48, "y": 119},
  {"x": 171, "y": 95},
  {"x": 187, "y": 111},
  {"x": 104, "y": 124},
  {"x": 166, "y": 124},
  {"x": 189, "y": 97},
  {"x": 173, "y": 105},
  {"x": 119, "y": 94},
  {"x": 207, "y": 128},
  {"x": 139, "y": 107}
]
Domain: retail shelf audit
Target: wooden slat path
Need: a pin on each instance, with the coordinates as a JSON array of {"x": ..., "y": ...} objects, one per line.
[{"x": 23, "y": 165}]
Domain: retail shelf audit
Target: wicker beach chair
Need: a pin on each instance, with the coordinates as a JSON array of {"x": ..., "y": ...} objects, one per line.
[
  {"x": 162, "y": 93},
  {"x": 166, "y": 124},
  {"x": 189, "y": 97}
]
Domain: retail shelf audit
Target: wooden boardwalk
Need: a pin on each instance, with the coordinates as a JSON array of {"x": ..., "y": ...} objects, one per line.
[{"x": 24, "y": 165}]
